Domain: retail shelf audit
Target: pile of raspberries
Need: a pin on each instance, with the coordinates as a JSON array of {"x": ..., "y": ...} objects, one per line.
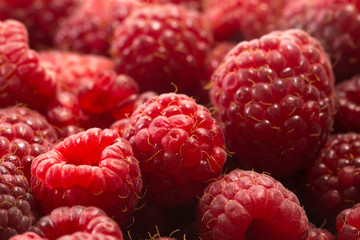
[{"x": 179, "y": 120}]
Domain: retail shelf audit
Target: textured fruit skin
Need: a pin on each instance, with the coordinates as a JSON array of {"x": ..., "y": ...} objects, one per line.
[
  {"x": 162, "y": 44},
  {"x": 274, "y": 98},
  {"x": 319, "y": 233},
  {"x": 73, "y": 68},
  {"x": 24, "y": 135},
  {"x": 22, "y": 78},
  {"x": 89, "y": 29},
  {"x": 41, "y": 17},
  {"x": 239, "y": 19},
  {"x": 179, "y": 145},
  {"x": 335, "y": 24},
  {"x": 192, "y": 4},
  {"x": 16, "y": 201},
  {"x": 347, "y": 223},
  {"x": 91, "y": 168},
  {"x": 75, "y": 223},
  {"x": 332, "y": 181},
  {"x": 248, "y": 205},
  {"x": 348, "y": 114}
]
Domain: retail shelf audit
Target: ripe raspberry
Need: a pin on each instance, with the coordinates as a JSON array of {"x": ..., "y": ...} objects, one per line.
[
  {"x": 274, "y": 99},
  {"x": 16, "y": 201},
  {"x": 347, "y": 223},
  {"x": 22, "y": 78},
  {"x": 41, "y": 17},
  {"x": 89, "y": 29},
  {"x": 73, "y": 68},
  {"x": 161, "y": 44},
  {"x": 92, "y": 168},
  {"x": 179, "y": 147},
  {"x": 348, "y": 114},
  {"x": 24, "y": 134},
  {"x": 319, "y": 233},
  {"x": 75, "y": 223},
  {"x": 333, "y": 181},
  {"x": 106, "y": 91},
  {"x": 249, "y": 205},
  {"x": 192, "y": 4},
  {"x": 335, "y": 24},
  {"x": 235, "y": 19}
]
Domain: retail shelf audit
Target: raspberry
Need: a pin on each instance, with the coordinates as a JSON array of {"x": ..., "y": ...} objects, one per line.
[
  {"x": 249, "y": 205},
  {"x": 347, "y": 223},
  {"x": 235, "y": 19},
  {"x": 319, "y": 233},
  {"x": 348, "y": 114},
  {"x": 41, "y": 17},
  {"x": 89, "y": 29},
  {"x": 74, "y": 223},
  {"x": 74, "y": 68},
  {"x": 162, "y": 44},
  {"x": 192, "y": 4},
  {"x": 91, "y": 168},
  {"x": 16, "y": 201},
  {"x": 106, "y": 91},
  {"x": 274, "y": 98},
  {"x": 179, "y": 147},
  {"x": 22, "y": 78},
  {"x": 335, "y": 24},
  {"x": 24, "y": 135},
  {"x": 333, "y": 181}
]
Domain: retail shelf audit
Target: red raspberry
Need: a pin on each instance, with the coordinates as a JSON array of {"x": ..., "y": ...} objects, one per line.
[
  {"x": 192, "y": 4},
  {"x": 92, "y": 168},
  {"x": 274, "y": 98},
  {"x": 319, "y": 233},
  {"x": 235, "y": 19},
  {"x": 249, "y": 205},
  {"x": 347, "y": 223},
  {"x": 24, "y": 135},
  {"x": 73, "y": 68},
  {"x": 75, "y": 223},
  {"x": 162, "y": 44},
  {"x": 106, "y": 91},
  {"x": 179, "y": 147},
  {"x": 16, "y": 201},
  {"x": 41, "y": 17},
  {"x": 22, "y": 78},
  {"x": 333, "y": 181},
  {"x": 348, "y": 114},
  {"x": 335, "y": 24},
  {"x": 89, "y": 29}
]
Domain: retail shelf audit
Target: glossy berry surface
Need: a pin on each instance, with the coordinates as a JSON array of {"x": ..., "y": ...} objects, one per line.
[
  {"x": 91, "y": 168},
  {"x": 16, "y": 201},
  {"x": 179, "y": 145},
  {"x": 274, "y": 98},
  {"x": 159, "y": 45},
  {"x": 332, "y": 181},
  {"x": 248, "y": 205},
  {"x": 347, "y": 223},
  {"x": 335, "y": 23},
  {"x": 24, "y": 135}
]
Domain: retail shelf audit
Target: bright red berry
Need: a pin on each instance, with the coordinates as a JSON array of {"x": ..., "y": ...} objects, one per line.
[
  {"x": 335, "y": 24},
  {"x": 348, "y": 223},
  {"x": 91, "y": 168},
  {"x": 16, "y": 201},
  {"x": 89, "y": 29},
  {"x": 24, "y": 135},
  {"x": 249, "y": 205},
  {"x": 159, "y": 45},
  {"x": 75, "y": 223},
  {"x": 333, "y": 181},
  {"x": 274, "y": 98},
  {"x": 179, "y": 145}
]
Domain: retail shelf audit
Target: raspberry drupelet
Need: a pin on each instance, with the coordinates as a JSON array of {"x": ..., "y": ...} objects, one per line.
[
  {"x": 248, "y": 205},
  {"x": 347, "y": 223},
  {"x": 179, "y": 145},
  {"x": 91, "y": 168},
  {"x": 274, "y": 98}
]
